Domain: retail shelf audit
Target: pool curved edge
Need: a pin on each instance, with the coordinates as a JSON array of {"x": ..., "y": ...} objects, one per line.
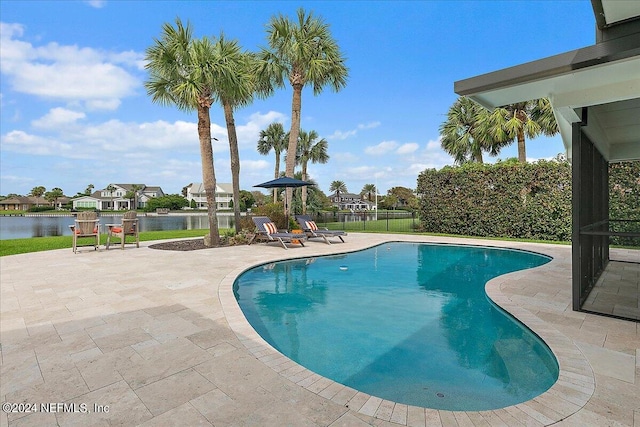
[{"x": 572, "y": 390}]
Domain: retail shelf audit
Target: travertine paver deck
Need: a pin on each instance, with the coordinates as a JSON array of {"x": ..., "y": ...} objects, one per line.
[
  {"x": 148, "y": 337},
  {"x": 617, "y": 291}
]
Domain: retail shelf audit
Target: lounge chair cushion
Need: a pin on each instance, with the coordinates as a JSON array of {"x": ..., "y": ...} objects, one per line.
[
  {"x": 116, "y": 229},
  {"x": 311, "y": 225},
  {"x": 270, "y": 227}
]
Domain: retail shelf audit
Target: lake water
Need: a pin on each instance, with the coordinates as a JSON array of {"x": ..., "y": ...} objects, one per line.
[{"x": 20, "y": 227}]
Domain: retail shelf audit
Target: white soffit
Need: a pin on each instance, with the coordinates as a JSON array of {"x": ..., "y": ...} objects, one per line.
[
  {"x": 614, "y": 84},
  {"x": 620, "y": 10}
]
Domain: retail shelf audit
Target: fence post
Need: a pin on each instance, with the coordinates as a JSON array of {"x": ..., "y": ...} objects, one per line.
[{"x": 387, "y": 220}]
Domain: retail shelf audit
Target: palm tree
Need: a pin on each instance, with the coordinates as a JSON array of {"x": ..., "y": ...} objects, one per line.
[
  {"x": 529, "y": 119},
  {"x": 274, "y": 138},
  {"x": 368, "y": 189},
  {"x": 234, "y": 85},
  {"x": 464, "y": 134},
  {"x": 135, "y": 188},
  {"x": 180, "y": 74},
  {"x": 338, "y": 187},
  {"x": 304, "y": 53},
  {"x": 110, "y": 188},
  {"x": 38, "y": 191},
  {"x": 53, "y": 196},
  {"x": 310, "y": 150}
]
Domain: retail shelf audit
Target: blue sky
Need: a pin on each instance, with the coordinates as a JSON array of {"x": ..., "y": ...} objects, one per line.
[{"x": 74, "y": 110}]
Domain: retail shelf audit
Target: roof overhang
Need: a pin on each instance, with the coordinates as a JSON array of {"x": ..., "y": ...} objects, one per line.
[{"x": 604, "y": 77}]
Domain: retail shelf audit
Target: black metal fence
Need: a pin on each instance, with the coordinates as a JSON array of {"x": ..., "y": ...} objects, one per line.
[{"x": 384, "y": 221}]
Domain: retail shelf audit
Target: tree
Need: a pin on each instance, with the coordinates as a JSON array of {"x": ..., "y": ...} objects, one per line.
[
  {"x": 170, "y": 201},
  {"x": 89, "y": 189},
  {"x": 110, "y": 188},
  {"x": 273, "y": 138},
  {"x": 310, "y": 150},
  {"x": 246, "y": 200},
  {"x": 464, "y": 135},
  {"x": 403, "y": 196},
  {"x": 304, "y": 53},
  {"x": 515, "y": 122},
  {"x": 259, "y": 198},
  {"x": 368, "y": 190},
  {"x": 38, "y": 191},
  {"x": 179, "y": 68},
  {"x": 338, "y": 187},
  {"x": 133, "y": 194},
  {"x": 234, "y": 85},
  {"x": 315, "y": 202},
  {"x": 53, "y": 196}
]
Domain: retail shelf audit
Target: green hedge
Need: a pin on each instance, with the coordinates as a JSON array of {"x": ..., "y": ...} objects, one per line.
[{"x": 510, "y": 199}]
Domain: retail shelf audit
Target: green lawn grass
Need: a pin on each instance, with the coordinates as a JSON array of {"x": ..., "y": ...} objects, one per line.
[{"x": 37, "y": 244}]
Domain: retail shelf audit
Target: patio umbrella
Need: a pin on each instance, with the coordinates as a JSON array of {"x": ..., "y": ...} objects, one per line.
[{"x": 284, "y": 182}]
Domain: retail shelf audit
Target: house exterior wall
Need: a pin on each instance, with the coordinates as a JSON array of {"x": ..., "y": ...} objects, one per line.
[{"x": 196, "y": 192}]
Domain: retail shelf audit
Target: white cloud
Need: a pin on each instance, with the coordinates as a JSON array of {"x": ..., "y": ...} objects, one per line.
[
  {"x": 22, "y": 142},
  {"x": 98, "y": 4},
  {"x": 67, "y": 72},
  {"x": 249, "y": 133},
  {"x": 57, "y": 117},
  {"x": 408, "y": 148},
  {"x": 254, "y": 165},
  {"x": 383, "y": 148},
  {"x": 434, "y": 145},
  {"x": 344, "y": 157},
  {"x": 349, "y": 133}
]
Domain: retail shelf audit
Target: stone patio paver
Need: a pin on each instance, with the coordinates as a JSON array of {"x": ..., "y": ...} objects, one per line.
[{"x": 149, "y": 337}]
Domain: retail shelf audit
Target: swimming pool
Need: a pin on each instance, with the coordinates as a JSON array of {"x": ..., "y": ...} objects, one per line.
[{"x": 406, "y": 322}]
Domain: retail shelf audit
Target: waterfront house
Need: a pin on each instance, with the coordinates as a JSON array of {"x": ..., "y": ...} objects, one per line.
[
  {"x": 24, "y": 203},
  {"x": 224, "y": 195},
  {"x": 350, "y": 201},
  {"x": 118, "y": 198}
]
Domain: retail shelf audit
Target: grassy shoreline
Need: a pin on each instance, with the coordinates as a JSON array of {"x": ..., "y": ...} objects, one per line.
[{"x": 38, "y": 244}]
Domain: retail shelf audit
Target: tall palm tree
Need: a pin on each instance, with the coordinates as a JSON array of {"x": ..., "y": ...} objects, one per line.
[
  {"x": 338, "y": 187},
  {"x": 368, "y": 189},
  {"x": 515, "y": 122},
  {"x": 273, "y": 138},
  {"x": 234, "y": 85},
  {"x": 310, "y": 150},
  {"x": 135, "y": 188},
  {"x": 304, "y": 53},
  {"x": 464, "y": 135},
  {"x": 179, "y": 74},
  {"x": 111, "y": 188}
]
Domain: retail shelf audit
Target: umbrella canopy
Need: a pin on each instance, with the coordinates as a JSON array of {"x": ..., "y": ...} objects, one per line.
[{"x": 284, "y": 182}]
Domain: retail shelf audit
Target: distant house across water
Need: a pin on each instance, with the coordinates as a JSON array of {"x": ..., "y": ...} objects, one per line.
[
  {"x": 24, "y": 203},
  {"x": 224, "y": 196},
  {"x": 350, "y": 201},
  {"x": 121, "y": 197}
]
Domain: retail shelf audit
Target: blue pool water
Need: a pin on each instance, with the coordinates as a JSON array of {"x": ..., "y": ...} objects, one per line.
[{"x": 406, "y": 322}]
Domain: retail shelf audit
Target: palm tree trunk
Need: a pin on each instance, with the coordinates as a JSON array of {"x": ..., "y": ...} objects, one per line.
[
  {"x": 235, "y": 161},
  {"x": 522, "y": 149},
  {"x": 208, "y": 174},
  {"x": 296, "y": 105},
  {"x": 304, "y": 189},
  {"x": 275, "y": 176},
  {"x": 477, "y": 156}
]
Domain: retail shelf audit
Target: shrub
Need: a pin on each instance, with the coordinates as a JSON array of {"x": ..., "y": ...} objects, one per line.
[{"x": 508, "y": 199}]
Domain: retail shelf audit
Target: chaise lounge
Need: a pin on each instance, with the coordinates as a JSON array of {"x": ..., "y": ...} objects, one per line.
[
  {"x": 312, "y": 230},
  {"x": 267, "y": 230}
]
